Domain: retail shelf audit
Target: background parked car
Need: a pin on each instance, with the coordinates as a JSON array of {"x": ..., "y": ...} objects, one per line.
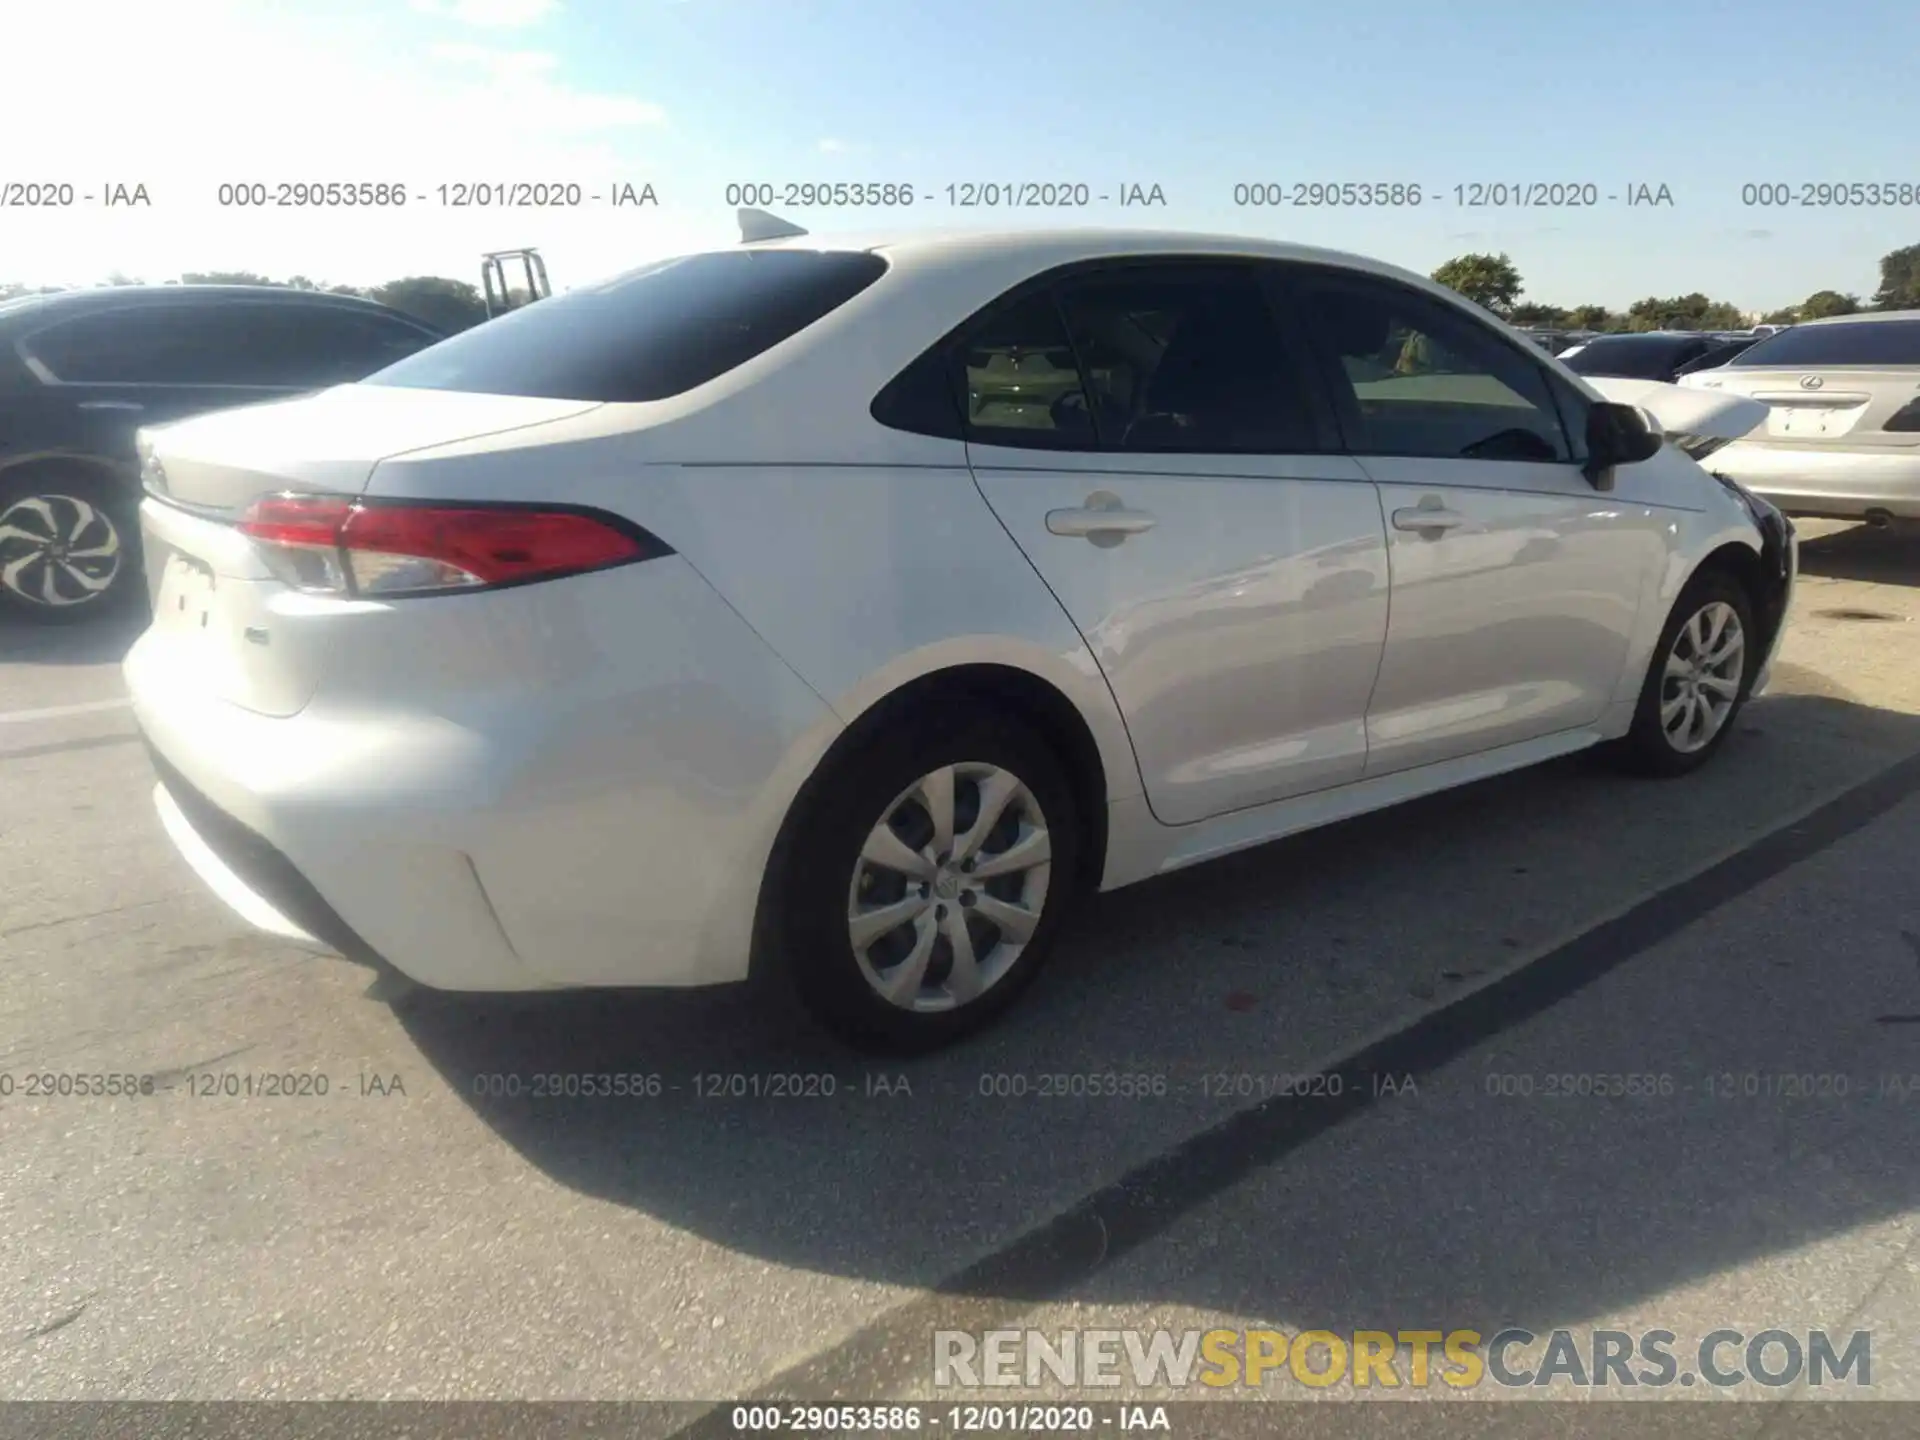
[
  {"x": 81, "y": 371},
  {"x": 1663, "y": 355},
  {"x": 1843, "y": 439}
]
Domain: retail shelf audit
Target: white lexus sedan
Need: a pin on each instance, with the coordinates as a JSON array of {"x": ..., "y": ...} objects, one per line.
[{"x": 842, "y": 613}]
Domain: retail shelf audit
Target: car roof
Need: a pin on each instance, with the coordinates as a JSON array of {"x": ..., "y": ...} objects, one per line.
[
  {"x": 1040, "y": 249},
  {"x": 109, "y": 297},
  {"x": 1864, "y": 317}
]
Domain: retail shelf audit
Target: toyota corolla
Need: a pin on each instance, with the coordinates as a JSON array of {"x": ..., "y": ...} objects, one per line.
[{"x": 844, "y": 613}]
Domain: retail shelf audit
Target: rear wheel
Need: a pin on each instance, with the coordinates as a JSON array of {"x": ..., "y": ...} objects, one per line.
[
  {"x": 68, "y": 545},
  {"x": 1697, "y": 681},
  {"x": 928, "y": 878}
]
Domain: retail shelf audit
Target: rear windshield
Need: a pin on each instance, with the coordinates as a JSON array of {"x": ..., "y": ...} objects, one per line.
[
  {"x": 1860, "y": 342},
  {"x": 651, "y": 333},
  {"x": 1633, "y": 357}
]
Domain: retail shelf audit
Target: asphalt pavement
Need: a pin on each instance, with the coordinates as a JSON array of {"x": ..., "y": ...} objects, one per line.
[{"x": 417, "y": 1233}]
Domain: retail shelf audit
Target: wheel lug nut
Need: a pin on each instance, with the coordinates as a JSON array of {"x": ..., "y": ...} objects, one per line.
[{"x": 967, "y": 898}]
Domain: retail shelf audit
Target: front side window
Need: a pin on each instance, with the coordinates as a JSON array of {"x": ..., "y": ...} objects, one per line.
[{"x": 1413, "y": 376}]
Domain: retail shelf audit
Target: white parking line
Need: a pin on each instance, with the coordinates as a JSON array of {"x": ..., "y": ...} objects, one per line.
[{"x": 60, "y": 712}]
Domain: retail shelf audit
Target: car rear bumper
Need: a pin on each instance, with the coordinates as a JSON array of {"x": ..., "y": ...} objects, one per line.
[
  {"x": 601, "y": 817},
  {"x": 1835, "y": 484}
]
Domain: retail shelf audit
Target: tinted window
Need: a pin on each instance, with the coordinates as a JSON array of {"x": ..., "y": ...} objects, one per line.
[
  {"x": 648, "y": 334},
  {"x": 1187, "y": 359},
  {"x": 237, "y": 342},
  {"x": 1633, "y": 357},
  {"x": 327, "y": 345},
  {"x": 1412, "y": 376},
  {"x": 1863, "y": 342},
  {"x": 1022, "y": 383}
]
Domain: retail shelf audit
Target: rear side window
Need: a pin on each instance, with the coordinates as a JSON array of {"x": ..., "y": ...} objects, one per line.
[
  {"x": 1187, "y": 360},
  {"x": 230, "y": 343},
  {"x": 1022, "y": 381},
  {"x": 646, "y": 335},
  {"x": 1171, "y": 358},
  {"x": 150, "y": 345},
  {"x": 1862, "y": 342}
]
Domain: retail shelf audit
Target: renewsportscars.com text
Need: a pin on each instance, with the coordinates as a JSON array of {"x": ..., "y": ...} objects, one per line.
[{"x": 1460, "y": 1359}]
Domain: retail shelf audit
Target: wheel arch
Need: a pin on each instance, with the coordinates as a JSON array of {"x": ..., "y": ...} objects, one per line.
[{"x": 1043, "y": 705}]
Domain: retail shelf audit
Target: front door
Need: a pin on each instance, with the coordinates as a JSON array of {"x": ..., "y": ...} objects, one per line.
[{"x": 1516, "y": 584}]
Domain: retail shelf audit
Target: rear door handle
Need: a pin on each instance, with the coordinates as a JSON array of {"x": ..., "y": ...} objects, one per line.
[
  {"x": 1428, "y": 519},
  {"x": 1103, "y": 520}
]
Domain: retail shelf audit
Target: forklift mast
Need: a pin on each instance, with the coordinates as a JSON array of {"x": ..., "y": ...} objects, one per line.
[{"x": 498, "y": 287}]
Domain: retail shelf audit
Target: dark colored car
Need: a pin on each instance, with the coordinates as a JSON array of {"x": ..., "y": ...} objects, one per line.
[
  {"x": 1663, "y": 355},
  {"x": 81, "y": 371}
]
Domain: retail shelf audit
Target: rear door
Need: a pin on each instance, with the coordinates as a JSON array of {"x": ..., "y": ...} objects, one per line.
[
  {"x": 1516, "y": 585},
  {"x": 1157, "y": 449}
]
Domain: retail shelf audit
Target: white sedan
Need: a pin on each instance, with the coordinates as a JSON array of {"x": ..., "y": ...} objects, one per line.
[{"x": 842, "y": 613}]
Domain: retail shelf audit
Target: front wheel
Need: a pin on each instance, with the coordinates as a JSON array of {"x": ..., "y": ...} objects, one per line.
[
  {"x": 1697, "y": 681},
  {"x": 929, "y": 876},
  {"x": 68, "y": 546}
]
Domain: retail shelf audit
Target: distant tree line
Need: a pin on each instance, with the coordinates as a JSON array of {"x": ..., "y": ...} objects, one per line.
[
  {"x": 1494, "y": 281},
  {"x": 1489, "y": 280},
  {"x": 449, "y": 305}
]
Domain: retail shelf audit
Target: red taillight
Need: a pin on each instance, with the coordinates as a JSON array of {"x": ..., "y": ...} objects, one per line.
[{"x": 329, "y": 544}]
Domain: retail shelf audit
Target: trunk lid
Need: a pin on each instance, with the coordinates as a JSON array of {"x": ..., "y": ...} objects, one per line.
[
  {"x": 1838, "y": 406},
  {"x": 218, "y": 464},
  {"x": 223, "y": 624}
]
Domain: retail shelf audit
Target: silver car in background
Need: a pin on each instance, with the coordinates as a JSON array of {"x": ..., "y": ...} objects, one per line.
[{"x": 1842, "y": 440}]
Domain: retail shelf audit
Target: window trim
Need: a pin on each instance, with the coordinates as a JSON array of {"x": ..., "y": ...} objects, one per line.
[
  {"x": 1296, "y": 275},
  {"x": 44, "y": 373}
]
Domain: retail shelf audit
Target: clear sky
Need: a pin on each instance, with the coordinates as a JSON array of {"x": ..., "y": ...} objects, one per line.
[{"x": 1195, "y": 96}]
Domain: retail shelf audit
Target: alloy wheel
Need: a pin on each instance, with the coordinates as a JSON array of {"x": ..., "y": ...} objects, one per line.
[
  {"x": 949, "y": 887},
  {"x": 58, "y": 550},
  {"x": 1701, "y": 682}
]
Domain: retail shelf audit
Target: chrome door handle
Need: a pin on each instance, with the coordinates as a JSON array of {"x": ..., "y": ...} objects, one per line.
[
  {"x": 1428, "y": 519},
  {"x": 1103, "y": 520},
  {"x": 110, "y": 405}
]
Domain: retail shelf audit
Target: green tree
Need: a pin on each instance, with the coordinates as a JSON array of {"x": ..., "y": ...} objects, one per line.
[
  {"x": 1593, "y": 317},
  {"x": 1489, "y": 280},
  {"x": 1899, "y": 280},
  {"x": 1532, "y": 313},
  {"x": 1684, "y": 312},
  {"x": 447, "y": 304},
  {"x": 225, "y": 277},
  {"x": 1790, "y": 315},
  {"x": 1828, "y": 302}
]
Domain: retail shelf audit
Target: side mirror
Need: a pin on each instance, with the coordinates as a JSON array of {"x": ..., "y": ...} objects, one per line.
[{"x": 1617, "y": 435}]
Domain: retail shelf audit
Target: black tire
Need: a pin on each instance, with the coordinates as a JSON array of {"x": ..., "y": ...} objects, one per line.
[
  {"x": 70, "y": 508},
  {"x": 1648, "y": 748},
  {"x": 814, "y": 897}
]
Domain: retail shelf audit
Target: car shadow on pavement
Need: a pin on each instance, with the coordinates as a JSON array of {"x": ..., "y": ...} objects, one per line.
[
  {"x": 1876, "y": 556},
  {"x": 89, "y": 642},
  {"x": 768, "y": 1139}
]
